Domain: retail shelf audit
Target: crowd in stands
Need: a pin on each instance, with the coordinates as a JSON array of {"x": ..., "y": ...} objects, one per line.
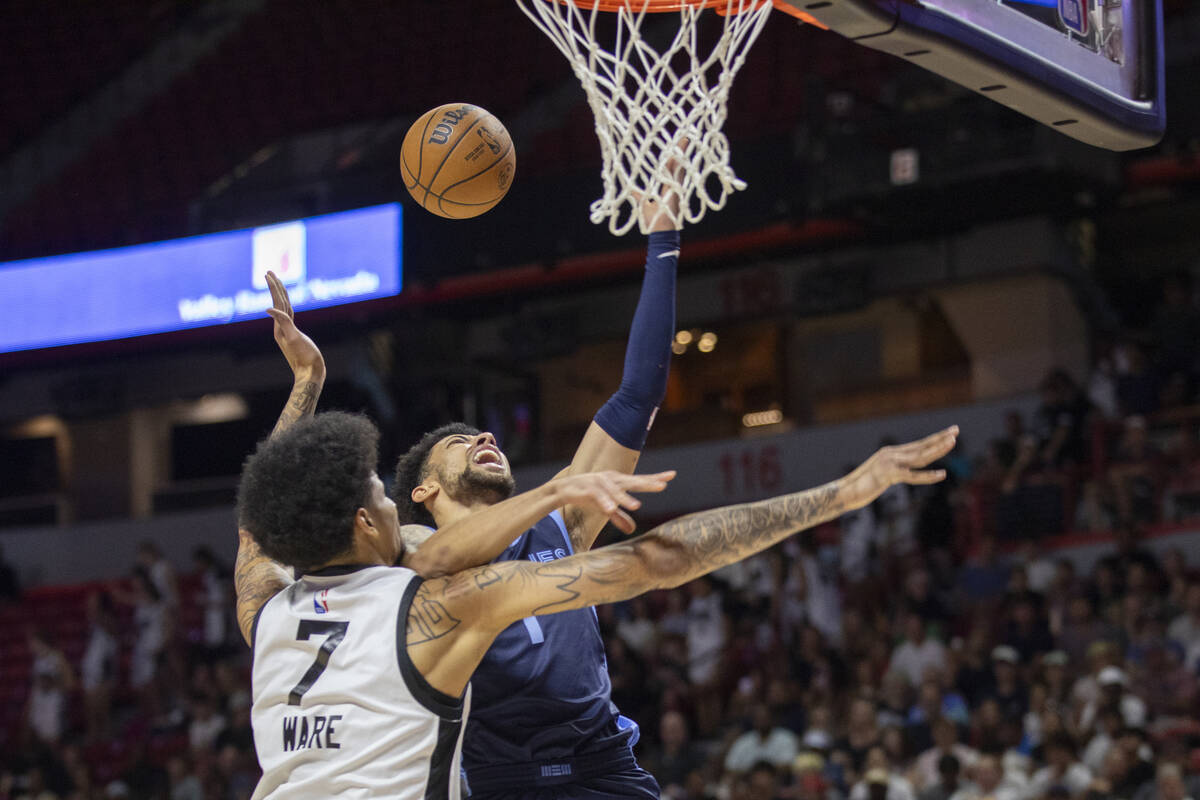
[{"x": 940, "y": 644}]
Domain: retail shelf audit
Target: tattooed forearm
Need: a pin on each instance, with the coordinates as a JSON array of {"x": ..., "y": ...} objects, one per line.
[
  {"x": 301, "y": 403},
  {"x": 667, "y": 556},
  {"x": 256, "y": 579},
  {"x": 701, "y": 543}
]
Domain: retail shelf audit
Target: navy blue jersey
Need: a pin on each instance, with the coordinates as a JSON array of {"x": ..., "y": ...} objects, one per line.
[{"x": 542, "y": 691}]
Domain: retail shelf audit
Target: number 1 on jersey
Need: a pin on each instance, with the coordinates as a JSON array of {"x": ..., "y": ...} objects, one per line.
[{"x": 335, "y": 631}]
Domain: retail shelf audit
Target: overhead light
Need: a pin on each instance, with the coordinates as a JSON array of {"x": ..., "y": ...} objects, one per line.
[
  {"x": 683, "y": 337},
  {"x": 213, "y": 408},
  {"x": 678, "y": 349},
  {"x": 707, "y": 342},
  {"x": 771, "y": 416}
]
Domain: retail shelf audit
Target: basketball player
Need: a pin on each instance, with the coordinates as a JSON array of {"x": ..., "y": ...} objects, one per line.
[
  {"x": 361, "y": 670},
  {"x": 543, "y": 722},
  {"x": 543, "y": 714}
]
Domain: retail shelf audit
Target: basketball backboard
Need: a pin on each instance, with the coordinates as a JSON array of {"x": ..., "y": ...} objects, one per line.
[{"x": 1092, "y": 69}]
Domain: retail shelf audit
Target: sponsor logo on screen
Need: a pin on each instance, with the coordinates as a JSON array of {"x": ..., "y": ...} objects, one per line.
[{"x": 281, "y": 249}]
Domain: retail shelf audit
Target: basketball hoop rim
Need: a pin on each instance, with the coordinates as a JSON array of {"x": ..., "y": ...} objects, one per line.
[{"x": 665, "y": 6}]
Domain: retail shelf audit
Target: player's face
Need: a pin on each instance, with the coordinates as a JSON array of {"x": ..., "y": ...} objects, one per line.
[
  {"x": 471, "y": 467},
  {"x": 382, "y": 511}
]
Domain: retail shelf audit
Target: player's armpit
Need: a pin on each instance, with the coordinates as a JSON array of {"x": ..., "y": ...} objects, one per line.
[
  {"x": 597, "y": 452},
  {"x": 256, "y": 579}
]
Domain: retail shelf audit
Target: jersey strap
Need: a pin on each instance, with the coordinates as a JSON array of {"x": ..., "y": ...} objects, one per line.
[{"x": 440, "y": 703}]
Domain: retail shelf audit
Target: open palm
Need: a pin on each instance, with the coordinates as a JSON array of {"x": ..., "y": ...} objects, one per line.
[{"x": 301, "y": 352}]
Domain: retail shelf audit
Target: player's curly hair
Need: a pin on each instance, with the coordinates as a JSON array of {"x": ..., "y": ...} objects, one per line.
[
  {"x": 413, "y": 467},
  {"x": 300, "y": 488}
]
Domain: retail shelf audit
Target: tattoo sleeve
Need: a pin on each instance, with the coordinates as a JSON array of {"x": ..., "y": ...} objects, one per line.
[
  {"x": 256, "y": 578},
  {"x": 452, "y": 621},
  {"x": 301, "y": 403},
  {"x": 666, "y": 556}
]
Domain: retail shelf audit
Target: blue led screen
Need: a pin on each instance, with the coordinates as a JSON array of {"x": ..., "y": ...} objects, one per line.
[{"x": 201, "y": 280}]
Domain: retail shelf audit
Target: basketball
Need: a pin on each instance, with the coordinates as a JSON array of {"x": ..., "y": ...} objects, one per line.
[{"x": 457, "y": 161}]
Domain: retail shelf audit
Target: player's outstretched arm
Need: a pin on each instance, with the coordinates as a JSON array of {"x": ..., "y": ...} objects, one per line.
[
  {"x": 481, "y": 537},
  {"x": 614, "y": 439},
  {"x": 256, "y": 578},
  {"x": 453, "y": 620}
]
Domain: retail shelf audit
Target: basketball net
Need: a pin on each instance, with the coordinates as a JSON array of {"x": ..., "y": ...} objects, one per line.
[{"x": 654, "y": 107}]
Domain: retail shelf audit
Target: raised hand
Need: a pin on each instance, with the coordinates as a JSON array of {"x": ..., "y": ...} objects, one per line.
[
  {"x": 662, "y": 213},
  {"x": 301, "y": 352},
  {"x": 900, "y": 463},
  {"x": 609, "y": 492}
]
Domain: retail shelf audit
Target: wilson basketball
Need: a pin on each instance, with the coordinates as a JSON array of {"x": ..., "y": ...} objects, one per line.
[{"x": 457, "y": 161}]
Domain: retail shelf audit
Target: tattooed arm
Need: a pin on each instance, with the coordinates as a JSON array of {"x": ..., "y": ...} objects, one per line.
[
  {"x": 453, "y": 620},
  {"x": 256, "y": 578}
]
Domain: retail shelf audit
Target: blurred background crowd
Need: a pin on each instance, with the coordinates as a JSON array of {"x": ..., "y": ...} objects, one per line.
[
  {"x": 945, "y": 643},
  {"x": 1027, "y": 630}
]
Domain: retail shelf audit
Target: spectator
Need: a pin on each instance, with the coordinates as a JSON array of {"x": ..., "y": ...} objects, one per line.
[
  {"x": 881, "y": 781},
  {"x": 637, "y": 629},
  {"x": 675, "y": 758},
  {"x": 1008, "y": 690},
  {"x": 810, "y": 780},
  {"x": 1062, "y": 769},
  {"x": 1060, "y": 421},
  {"x": 1027, "y": 632},
  {"x": 920, "y": 597},
  {"x": 1107, "y": 729},
  {"x": 707, "y": 632},
  {"x": 206, "y": 725},
  {"x": 948, "y": 785},
  {"x": 1185, "y": 628},
  {"x": 98, "y": 668},
  {"x": 860, "y": 533},
  {"x": 160, "y": 572},
  {"x": 763, "y": 782},
  {"x": 1168, "y": 783},
  {"x": 214, "y": 583},
  {"x": 1136, "y": 473},
  {"x": 862, "y": 733},
  {"x": 1112, "y": 694},
  {"x": 151, "y": 620},
  {"x": 52, "y": 680},
  {"x": 1092, "y": 513},
  {"x": 918, "y": 652},
  {"x": 183, "y": 782},
  {"x": 928, "y": 768},
  {"x": 819, "y": 733},
  {"x": 1054, "y": 677},
  {"x": 1138, "y": 755},
  {"x": 765, "y": 741},
  {"x": 991, "y": 782},
  {"x": 1082, "y": 629}
]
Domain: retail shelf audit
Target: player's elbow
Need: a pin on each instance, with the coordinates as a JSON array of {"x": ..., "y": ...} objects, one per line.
[
  {"x": 666, "y": 563},
  {"x": 428, "y": 562}
]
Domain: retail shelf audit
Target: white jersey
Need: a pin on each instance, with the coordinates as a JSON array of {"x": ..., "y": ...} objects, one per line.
[{"x": 339, "y": 708}]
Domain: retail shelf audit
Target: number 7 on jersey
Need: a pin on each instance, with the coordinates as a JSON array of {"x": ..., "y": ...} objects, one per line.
[{"x": 335, "y": 632}]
